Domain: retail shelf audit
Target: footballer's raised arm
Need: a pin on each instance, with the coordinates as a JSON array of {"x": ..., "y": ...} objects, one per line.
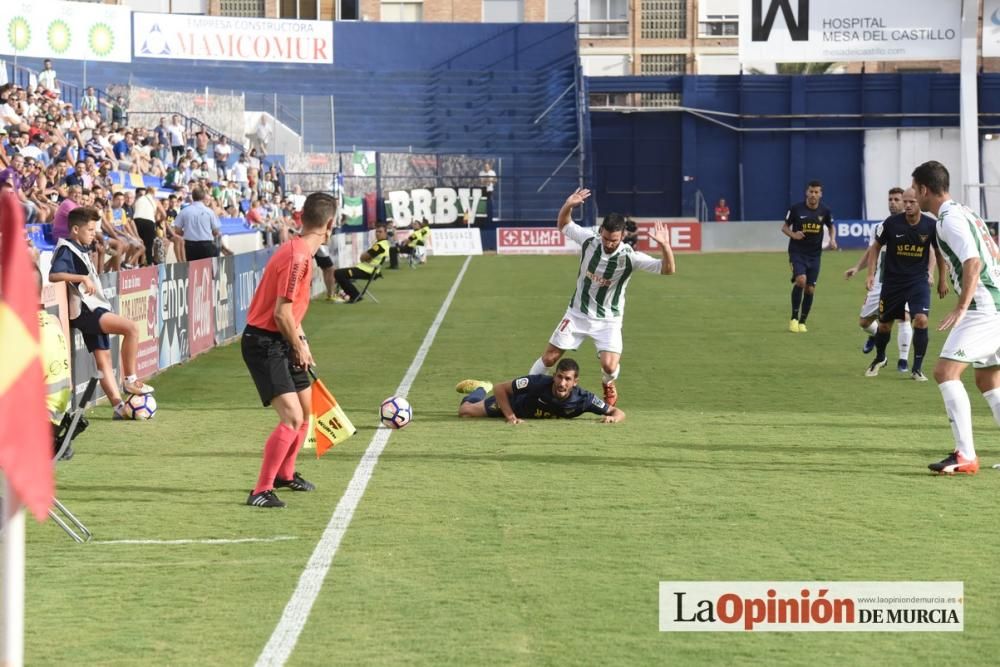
[{"x": 574, "y": 200}]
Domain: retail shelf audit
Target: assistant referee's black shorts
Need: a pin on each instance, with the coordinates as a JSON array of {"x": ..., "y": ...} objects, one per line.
[{"x": 268, "y": 357}]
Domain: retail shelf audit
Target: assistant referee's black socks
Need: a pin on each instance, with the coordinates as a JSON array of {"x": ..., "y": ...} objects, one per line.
[
  {"x": 881, "y": 342},
  {"x": 796, "y": 300},
  {"x": 920, "y": 338}
]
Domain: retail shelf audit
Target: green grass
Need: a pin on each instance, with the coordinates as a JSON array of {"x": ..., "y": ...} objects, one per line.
[{"x": 748, "y": 454}]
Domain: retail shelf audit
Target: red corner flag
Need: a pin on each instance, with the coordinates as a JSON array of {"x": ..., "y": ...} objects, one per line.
[{"x": 25, "y": 430}]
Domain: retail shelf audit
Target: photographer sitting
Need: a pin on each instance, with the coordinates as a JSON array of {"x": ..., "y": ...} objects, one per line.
[{"x": 369, "y": 267}]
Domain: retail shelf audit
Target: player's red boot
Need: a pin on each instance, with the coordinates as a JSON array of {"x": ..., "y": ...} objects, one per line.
[
  {"x": 955, "y": 463},
  {"x": 610, "y": 393}
]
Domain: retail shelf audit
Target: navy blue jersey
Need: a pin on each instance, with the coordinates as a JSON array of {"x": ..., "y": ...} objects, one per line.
[
  {"x": 533, "y": 399},
  {"x": 801, "y": 218},
  {"x": 907, "y": 248}
]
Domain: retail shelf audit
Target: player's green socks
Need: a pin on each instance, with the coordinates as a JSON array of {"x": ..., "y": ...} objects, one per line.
[{"x": 920, "y": 338}]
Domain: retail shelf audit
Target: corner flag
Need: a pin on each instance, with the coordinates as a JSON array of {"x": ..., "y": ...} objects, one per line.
[{"x": 332, "y": 426}]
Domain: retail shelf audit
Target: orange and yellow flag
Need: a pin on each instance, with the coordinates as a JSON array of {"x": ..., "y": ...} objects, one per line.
[
  {"x": 25, "y": 430},
  {"x": 332, "y": 426}
]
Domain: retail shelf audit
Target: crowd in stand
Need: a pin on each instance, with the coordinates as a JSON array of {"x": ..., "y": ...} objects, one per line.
[{"x": 55, "y": 156}]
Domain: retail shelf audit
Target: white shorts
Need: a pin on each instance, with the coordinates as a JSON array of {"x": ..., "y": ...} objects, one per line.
[
  {"x": 975, "y": 340},
  {"x": 870, "y": 307},
  {"x": 575, "y": 328}
]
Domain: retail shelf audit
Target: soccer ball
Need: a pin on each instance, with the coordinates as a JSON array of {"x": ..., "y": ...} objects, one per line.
[
  {"x": 395, "y": 412},
  {"x": 140, "y": 406}
]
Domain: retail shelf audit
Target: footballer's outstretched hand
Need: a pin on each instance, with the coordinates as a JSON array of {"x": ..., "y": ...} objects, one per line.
[
  {"x": 613, "y": 417},
  {"x": 577, "y": 198},
  {"x": 661, "y": 234},
  {"x": 514, "y": 419}
]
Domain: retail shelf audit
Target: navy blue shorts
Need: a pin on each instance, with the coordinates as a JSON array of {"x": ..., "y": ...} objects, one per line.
[
  {"x": 894, "y": 299},
  {"x": 89, "y": 324},
  {"x": 805, "y": 265},
  {"x": 492, "y": 410}
]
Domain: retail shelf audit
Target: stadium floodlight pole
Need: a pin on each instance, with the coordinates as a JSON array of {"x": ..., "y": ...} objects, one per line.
[{"x": 969, "y": 105}]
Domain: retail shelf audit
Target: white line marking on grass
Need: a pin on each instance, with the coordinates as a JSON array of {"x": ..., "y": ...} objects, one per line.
[
  {"x": 279, "y": 647},
  {"x": 240, "y": 540}
]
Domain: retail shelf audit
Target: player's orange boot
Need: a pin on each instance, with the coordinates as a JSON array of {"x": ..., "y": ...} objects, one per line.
[
  {"x": 955, "y": 463},
  {"x": 610, "y": 393}
]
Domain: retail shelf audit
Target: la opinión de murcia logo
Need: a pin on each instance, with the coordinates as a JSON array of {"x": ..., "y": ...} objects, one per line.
[{"x": 811, "y": 606}]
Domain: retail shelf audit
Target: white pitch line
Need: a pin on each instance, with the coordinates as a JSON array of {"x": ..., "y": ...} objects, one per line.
[
  {"x": 279, "y": 647},
  {"x": 240, "y": 540}
]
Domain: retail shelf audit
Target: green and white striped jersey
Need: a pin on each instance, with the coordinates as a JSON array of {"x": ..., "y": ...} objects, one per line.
[
  {"x": 963, "y": 235},
  {"x": 602, "y": 278}
]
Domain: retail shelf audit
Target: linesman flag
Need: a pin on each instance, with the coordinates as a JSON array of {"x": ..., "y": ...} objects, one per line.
[
  {"x": 25, "y": 430},
  {"x": 330, "y": 426}
]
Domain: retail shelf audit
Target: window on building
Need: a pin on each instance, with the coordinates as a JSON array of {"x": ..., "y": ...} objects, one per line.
[
  {"x": 608, "y": 100},
  {"x": 503, "y": 11},
  {"x": 607, "y": 18},
  {"x": 298, "y": 9},
  {"x": 246, "y": 8},
  {"x": 663, "y": 63},
  {"x": 348, "y": 10},
  {"x": 660, "y": 100},
  {"x": 403, "y": 12},
  {"x": 719, "y": 25},
  {"x": 664, "y": 19}
]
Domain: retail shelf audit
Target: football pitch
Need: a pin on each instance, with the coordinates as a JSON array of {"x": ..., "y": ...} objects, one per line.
[{"x": 748, "y": 453}]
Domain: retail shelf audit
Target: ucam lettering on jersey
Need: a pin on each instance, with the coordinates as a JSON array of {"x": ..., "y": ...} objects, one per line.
[
  {"x": 812, "y": 606},
  {"x": 685, "y": 234},
  {"x": 534, "y": 241}
]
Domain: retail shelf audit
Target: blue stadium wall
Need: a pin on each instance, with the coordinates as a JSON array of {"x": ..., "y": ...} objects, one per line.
[{"x": 653, "y": 163}]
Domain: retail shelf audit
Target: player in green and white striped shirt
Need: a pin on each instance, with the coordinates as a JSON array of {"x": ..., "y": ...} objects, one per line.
[
  {"x": 597, "y": 306},
  {"x": 973, "y": 260}
]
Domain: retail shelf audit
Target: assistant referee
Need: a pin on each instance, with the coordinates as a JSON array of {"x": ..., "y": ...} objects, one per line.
[{"x": 199, "y": 226}]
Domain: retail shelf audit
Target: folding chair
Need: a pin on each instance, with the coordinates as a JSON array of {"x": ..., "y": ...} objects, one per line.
[
  {"x": 73, "y": 424},
  {"x": 376, "y": 274}
]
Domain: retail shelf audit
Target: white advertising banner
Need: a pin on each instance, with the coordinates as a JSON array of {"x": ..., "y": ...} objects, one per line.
[
  {"x": 70, "y": 30},
  {"x": 991, "y": 28},
  {"x": 467, "y": 241},
  {"x": 181, "y": 37},
  {"x": 534, "y": 241},
  {"x": 849, "y": 30}
]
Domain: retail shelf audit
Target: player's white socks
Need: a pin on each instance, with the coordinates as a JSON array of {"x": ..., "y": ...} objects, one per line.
[
  {"x": 993, "y": 398},
  {"x": 609, "y": 378},
  {"x": 872, "y": 328},
  {"x": 903, "y": 338},
  {"x": 539, "y": 368},
  {"x": 956, "y": 404}
]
